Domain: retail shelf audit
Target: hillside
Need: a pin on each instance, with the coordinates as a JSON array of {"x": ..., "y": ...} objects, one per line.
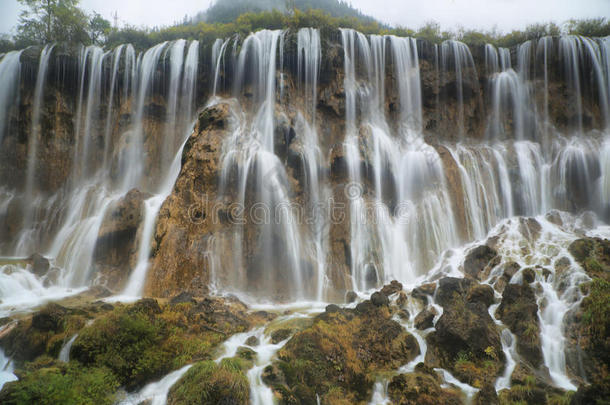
[{"x": 224, "y": 11}]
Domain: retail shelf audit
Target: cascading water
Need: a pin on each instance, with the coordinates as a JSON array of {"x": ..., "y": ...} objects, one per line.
[{"x": 410, "y": 197}]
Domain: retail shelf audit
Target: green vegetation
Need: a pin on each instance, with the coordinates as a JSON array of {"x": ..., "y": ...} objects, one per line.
[
  {"x": 63, "y": 21},
  {"x": 45, "y": 21},
  {"x": 228, "y": 10},
  {"x": 210, "y": 383},
  {"x": 596, "y": 312},
  {"x": 48, "y": 381},
  {"x": 126, "y": 345}
]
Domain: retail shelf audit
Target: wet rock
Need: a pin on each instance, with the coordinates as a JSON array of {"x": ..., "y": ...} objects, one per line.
[
  {"x": 529, "y": 275},
  {"x": 402, "y": 299},
  {"x": 350, "y": 297},
  {"x": 423, "y": 386},
  {"x": 519, "y": 311},
  {"x": 424, "y": 319},
  {"x": 40, "y": 264},
  {"x": 479, "y": 261},
  {"x": 593, "y": 254},
  {"x": 422, "y": 292},
  {"x": 252, "y": 341},
  {"x": 364, "y": 307},
  {"x": 391, "y": 288},
  {"x": 192, "y": 215},
  {"x": 115, "y": 252},
  {"x": 466, "y": 340},
  {"x": 379, "y": 299},
  {"x": 529, "y": 228},
  {"x": 332, "y": 308},
  {"x": 510, "y": 269},
  {"x": 481, "y": 293},
  {"x": 280, "y": 335},
  {"x": 404, "y": 314},
  {"x": 183, "y": 298},
  {"x": 340, "y": 353}
]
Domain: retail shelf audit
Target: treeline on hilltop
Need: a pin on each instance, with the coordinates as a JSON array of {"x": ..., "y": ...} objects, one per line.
[{"x": 47, "y": 21}]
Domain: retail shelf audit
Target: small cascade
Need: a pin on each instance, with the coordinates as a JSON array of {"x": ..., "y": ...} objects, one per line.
[
  {"x": 35, "y": 133},
  {"x": 6, "y": 370},
  {"x": 456, "y": 60},
  {"x": 10, "y": 73},
  {"x": 260, "y": 178},
  {"x": 380, "y": 394},
  {"x": 134, "y": 161},
  {"x": 156, "y": 393},
  {"x": 64, "y": 353}
]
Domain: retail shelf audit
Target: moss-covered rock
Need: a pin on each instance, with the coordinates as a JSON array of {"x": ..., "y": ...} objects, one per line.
[
  {"x": 337, "y": 357},
  {"x": 519, "y": 312},
  {"x": 422, "y": 387},
  {"x": 210, "y": 383},
  {"x": 593, "y": 254},
  {"x": 48, "y": 381},
  {"x": 466, "y": 341},
  {"x": 136, "y": 343},
  {"x": 144, "y": 341},
  {"x": 588, "y": 332}
]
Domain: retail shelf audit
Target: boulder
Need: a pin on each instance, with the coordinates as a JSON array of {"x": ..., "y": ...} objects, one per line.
[
  {"x": 479, "y": 261},
  {"x": 391, "y": 288},
  {"x": 422, "y": 387},
  {"x": 519, "y": 311},
  {"x": 466, "y": 341},
  {"x": 379, "y": 299},
  {"x": 340, "y": 353},
  {"x": 39, "y": 264},
  {"x": 424, "y": 319}
]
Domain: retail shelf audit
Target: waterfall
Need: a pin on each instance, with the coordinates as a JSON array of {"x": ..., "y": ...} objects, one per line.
[
  {"x": 137, "y": 279},
  {"x": 10, "y": 72},
  {"x": 35, "y": 131},
  {"x": 64, "y": 353},
  {"x": 415, "y": 197}
]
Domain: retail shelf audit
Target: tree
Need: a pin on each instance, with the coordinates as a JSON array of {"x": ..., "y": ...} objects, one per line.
[
  {"x": 99, "y": 28},
  {"x": 45, "y": 21}
]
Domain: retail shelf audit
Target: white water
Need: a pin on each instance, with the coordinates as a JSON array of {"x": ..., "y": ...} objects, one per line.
[
  {"x": 64, "y": 353},
  {"x": 6, "y": 370},
  {"x": 524, "y": 167},
  {"x": 156, "y": 393}
]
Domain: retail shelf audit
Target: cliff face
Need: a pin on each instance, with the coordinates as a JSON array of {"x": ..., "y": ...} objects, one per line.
[{"x": 85, "y": 134}]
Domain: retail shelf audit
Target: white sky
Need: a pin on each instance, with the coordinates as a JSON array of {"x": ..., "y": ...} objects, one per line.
[{"x": 503, "y": 14}]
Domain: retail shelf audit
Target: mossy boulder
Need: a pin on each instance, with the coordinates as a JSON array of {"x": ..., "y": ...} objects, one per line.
[
  {"x": 42, "y": 333},
  {"x": 210, "y": 383},
  {"x": 593, "y": 254},
  {"x": 338, "y": 356},
  {"x": 587, "y": 332},
  {"x": 519, "y": 312},
  {"x": 144, "y": 341},
  {"x": 48, "y": 381},
  {"x": 466, "y": 341},
  {"x": 422, "y": 387}
]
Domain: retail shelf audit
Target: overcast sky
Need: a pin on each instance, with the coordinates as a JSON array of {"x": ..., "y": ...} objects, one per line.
[{"x": 503, "y": 14}]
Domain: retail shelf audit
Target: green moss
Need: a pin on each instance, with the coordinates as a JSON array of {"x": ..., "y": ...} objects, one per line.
[
  {"x": 596, "y": 310},
  {"x": 51, "y": 382},
  {"x": 210, "y": 383},
  {"x": 128, "y": 343}
]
